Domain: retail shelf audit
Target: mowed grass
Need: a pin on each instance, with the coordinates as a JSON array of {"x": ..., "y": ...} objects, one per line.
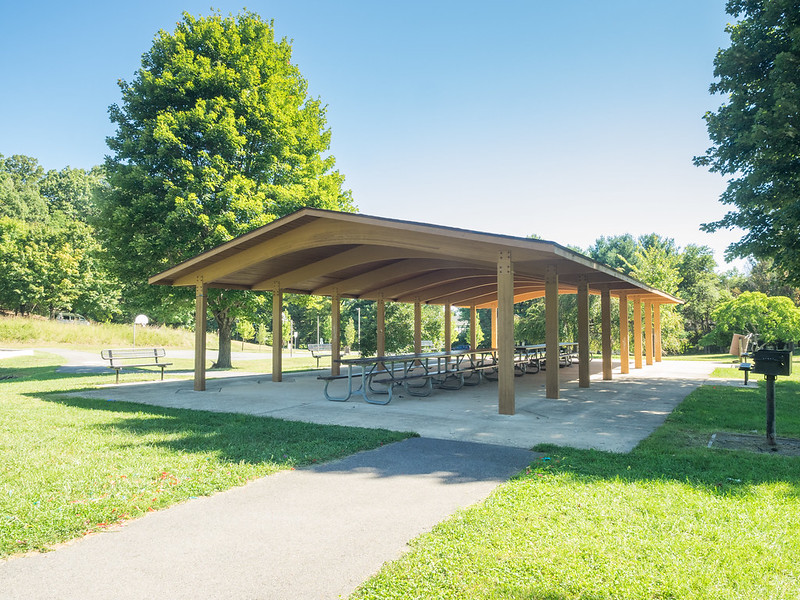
[
  {"x": 38, "y": 332},
  {"x": 673, "y": 519},
  {"x": 30, "y": 331},
  {"x": 71, "y": 466}
]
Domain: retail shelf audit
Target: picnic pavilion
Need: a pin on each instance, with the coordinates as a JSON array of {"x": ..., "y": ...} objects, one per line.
[{"x": 347, "y": 255}]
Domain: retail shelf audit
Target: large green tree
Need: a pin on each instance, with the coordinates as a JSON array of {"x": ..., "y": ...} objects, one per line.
[
  {"x": 755, "y": 134},
  {"x": 769, "y": 318},
  {"x": 701, "y": 288},
  {"x": 19, "y": 189},
  {"x": 216, "y": 135},
  {"x": 50, "y": 259}
]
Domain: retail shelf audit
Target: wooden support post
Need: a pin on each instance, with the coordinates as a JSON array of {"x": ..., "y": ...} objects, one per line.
[
  {"x": 473, "y": 327},
  {"x": 552, "y": 354},
  {"x": 200, "y": 312},
  {"x": 448, "y": 324},
  {"x": 336, "y": 332},
  {"x": 380, "y": 317},
  {"x": 624, "y": 334},
  {"x": 417, "y": 326},
  {"x": 648, "y": 331},
  {"x": 605, "y": 330},
  {"x": 584, "y": 373},
  {"x": 505, "y": 334},
  {"x": 277, "y": 334},
  {"x": 494, "y": 326},
  {"x": 637, "y": 333},
  {"x": 657, "y": 325}
]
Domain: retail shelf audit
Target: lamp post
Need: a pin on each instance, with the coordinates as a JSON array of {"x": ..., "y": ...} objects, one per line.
[{"x": 139, "y": 320}]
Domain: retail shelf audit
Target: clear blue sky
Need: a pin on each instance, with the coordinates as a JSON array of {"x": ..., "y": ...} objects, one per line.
[{"x": 569, "y": 120}]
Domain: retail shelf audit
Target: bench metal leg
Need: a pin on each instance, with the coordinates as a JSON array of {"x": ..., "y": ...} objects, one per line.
[
  {"x": 474, "y": 378},
  {"x": 457, "y": 378},
  {"x": 344, "y": 398},
  {"x": 490, "y": 375},
  {"x": 423, "y": 390},
  {"x": 367, "y": 388}
]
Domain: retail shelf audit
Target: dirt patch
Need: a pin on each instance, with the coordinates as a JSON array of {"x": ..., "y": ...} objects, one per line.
[{"x": 754, "y": 443}]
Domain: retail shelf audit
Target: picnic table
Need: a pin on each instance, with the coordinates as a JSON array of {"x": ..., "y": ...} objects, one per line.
[
  {"x": 531, "y": 358},
  {"x": 377, "y": 376}
]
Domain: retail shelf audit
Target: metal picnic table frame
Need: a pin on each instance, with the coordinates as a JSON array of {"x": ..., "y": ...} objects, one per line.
[
  {"x": 417, "y": 373},
  {"x": 532, "y": 356}
]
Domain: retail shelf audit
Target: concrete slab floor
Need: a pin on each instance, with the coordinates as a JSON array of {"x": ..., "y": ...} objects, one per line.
[{"x": 610, "y": 415}]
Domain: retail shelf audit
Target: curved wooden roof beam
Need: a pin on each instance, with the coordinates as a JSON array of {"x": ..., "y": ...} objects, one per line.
[
  {"x": 442, "y": 288},
  {"x": 417, "y": 286},
  {"x": 372, "y": 279},
  {"x": 359, "y": 255}
]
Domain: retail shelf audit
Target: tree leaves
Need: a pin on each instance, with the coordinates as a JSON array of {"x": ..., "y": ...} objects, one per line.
[
  {"x": 216, "y": 136},
  {"x": 755, "y": 132}
]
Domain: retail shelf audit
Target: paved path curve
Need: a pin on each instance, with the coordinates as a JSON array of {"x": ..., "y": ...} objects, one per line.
[{"x": 312, "y": 533}]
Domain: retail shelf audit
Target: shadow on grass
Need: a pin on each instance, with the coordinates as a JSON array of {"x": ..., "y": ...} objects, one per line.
[
  {"x": 235, "y": 438},
  {"x": 51, "y": 372}
]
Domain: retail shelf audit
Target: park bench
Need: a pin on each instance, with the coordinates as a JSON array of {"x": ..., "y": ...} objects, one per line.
[
  {"x": 135, "y": 357},
  {"x": 320, "y": 351},
  {"x": 745, "y": 365}
]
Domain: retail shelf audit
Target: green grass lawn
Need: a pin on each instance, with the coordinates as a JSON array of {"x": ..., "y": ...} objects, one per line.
[
  {"x": 71, "y": 466},
  {"x": 672, "y": 519}
]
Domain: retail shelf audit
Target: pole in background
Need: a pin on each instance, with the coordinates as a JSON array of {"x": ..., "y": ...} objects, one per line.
[{"x": 139, "y": 320}]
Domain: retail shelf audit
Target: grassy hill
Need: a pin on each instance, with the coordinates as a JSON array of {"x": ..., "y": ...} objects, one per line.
[{"x": 37, "y": 331}]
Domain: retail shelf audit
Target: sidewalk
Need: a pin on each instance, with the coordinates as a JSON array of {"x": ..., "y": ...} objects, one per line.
[
  {"x": 610, "y": 415},
  {"x": 312, "y": 533}
]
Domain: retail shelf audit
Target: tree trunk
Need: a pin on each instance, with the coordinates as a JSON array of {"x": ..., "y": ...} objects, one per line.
[{"x": 225, "y": 324}]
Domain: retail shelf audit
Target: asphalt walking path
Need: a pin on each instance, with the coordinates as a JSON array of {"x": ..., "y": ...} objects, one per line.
[{"x": 311, "y": 533}]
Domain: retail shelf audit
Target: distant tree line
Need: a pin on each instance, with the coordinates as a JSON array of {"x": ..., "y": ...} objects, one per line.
[{"x": 50, "y": 258}]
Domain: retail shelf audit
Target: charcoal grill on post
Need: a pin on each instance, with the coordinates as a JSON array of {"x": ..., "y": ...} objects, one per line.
[{"x": 771, "y": 362}]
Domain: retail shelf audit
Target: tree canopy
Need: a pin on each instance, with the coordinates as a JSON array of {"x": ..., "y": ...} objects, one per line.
[
  {"x": 50, "y": 259},
  {"x": 755, "y": 132},
  {"x": 769, "y": 318},
  {"x": 216, "y": 136}
]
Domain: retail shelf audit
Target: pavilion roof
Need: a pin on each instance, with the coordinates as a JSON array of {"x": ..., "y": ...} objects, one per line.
[{"x": 321, "y": 252}]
